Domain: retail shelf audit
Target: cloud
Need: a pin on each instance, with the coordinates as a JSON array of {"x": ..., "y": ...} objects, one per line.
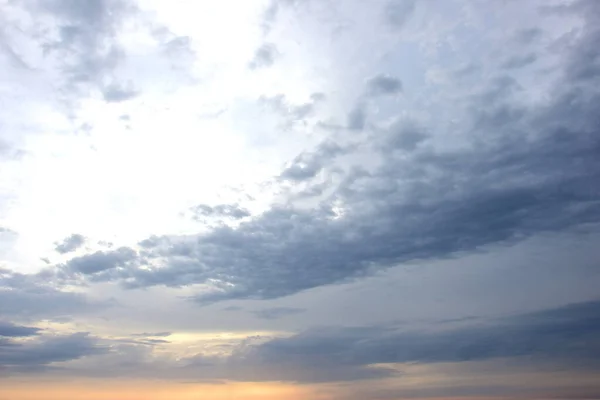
[
  {"x": 101, "y": 261},
  {"x": 499, "y": 169},
  {"x": 357, "y": 117},
  {"x": 398, "y": 12},
  {"x": 233, "y": 308},
  {"x": 376, "y": 86},
  {"x": 307, "y": 165},
  {"x": 567, "y": 335},
  {"x": 85, "y": 43},
  {"x": 383, "y": 85},
  {"x": 30, "y": 297},
  {"x": 153, "y": 334},
  {"x": 264, "y": 56},
  {"x": 519, "y": 61},
  {"x": 35, "y": 355},
  {"x": 8, "y": 329},
  {"x": 229, "y": 211},
  {"x": 292, "y": 113},
  {"x": 277, "y": 312},
  {"x": 70, "y": 243},
  {"x": 402, "y": 134},
  {"x": 430, "y": 204},
  {"x": 115, "y": 93}
]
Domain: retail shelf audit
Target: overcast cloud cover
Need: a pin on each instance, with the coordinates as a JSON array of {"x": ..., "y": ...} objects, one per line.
[{"x": 364, "y": 199}]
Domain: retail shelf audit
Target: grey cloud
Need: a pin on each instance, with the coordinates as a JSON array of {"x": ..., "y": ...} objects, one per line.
[
  {"x": 526, "y": 36},
  {"x": 584, "y": 65},
  {"x": 82, "y": 38},
  {"x": 402, "y": 134},
  {"x": 566, "y": 335},
  {"x": 152, "y": 241},
  {"x": 4, "y": 147},
  {"x": 277, "y": 312},
  {"x": 273, "y": 10},
  {"x": 86, "y": 32},
  {"x": 233, "y": 308},
  {"x": 357, "y": 117},
  {"x": 32, "y": 356},
  {"x": 8, "y": 329},
  {"x": 29, "y": 297},
  {"x": 9, "y": 150},
  {"x": 178, "y": 45},
  {"x": 70, "y": 243},
  {"x": 383, "y": 85},
  {"x": 153, "y": 334},
  {"x": 7, "y": 232},
  {"x": 318, "y": 96},
  {"x": 307, "y": 165},
  {"x": 178, "y": 49},
  {"x": 143, "y": 341},
  {"x": 264, "y": 56},
  {"x": 524, "y": 170},
  {"x": 398, "y": 12},
  {"x": 116, "y": 93},
  {"x": 429, "y": 205},
  {"x": 519, "y": 61},
  {"x": 101, "y": 260},
  {"x": 202, "y": 212},
  {"x": 292, "y": 112}
]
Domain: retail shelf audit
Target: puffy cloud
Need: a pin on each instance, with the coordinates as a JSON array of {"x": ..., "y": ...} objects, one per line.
[
  {"x": 99, "y": 261},
  {"x": 84, "y": 41},
  {"x": 70, "y": 243},
  {"x": 516, "y": 169},
  {"x": 307, "y": 165},
  {"x": 264, "y": 56}
]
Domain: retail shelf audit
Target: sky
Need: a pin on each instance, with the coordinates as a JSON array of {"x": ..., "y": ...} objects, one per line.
[{"x": 299, "y": 199}]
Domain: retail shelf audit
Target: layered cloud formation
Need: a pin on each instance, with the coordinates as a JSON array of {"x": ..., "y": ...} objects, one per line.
[{"x": 301, "y": 191}]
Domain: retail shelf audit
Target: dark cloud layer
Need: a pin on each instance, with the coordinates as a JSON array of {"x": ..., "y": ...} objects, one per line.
[
  {"x": 567, "y": 336},
  {"x": 8, "y": 329},
  {"x": 524, "y": 169},
  {"x": 36, "y": 356},
  {"x": 29, "y": 297}
]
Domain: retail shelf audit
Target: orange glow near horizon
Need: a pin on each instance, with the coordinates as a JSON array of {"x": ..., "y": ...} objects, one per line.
[{"x": 98, "y": 390}]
